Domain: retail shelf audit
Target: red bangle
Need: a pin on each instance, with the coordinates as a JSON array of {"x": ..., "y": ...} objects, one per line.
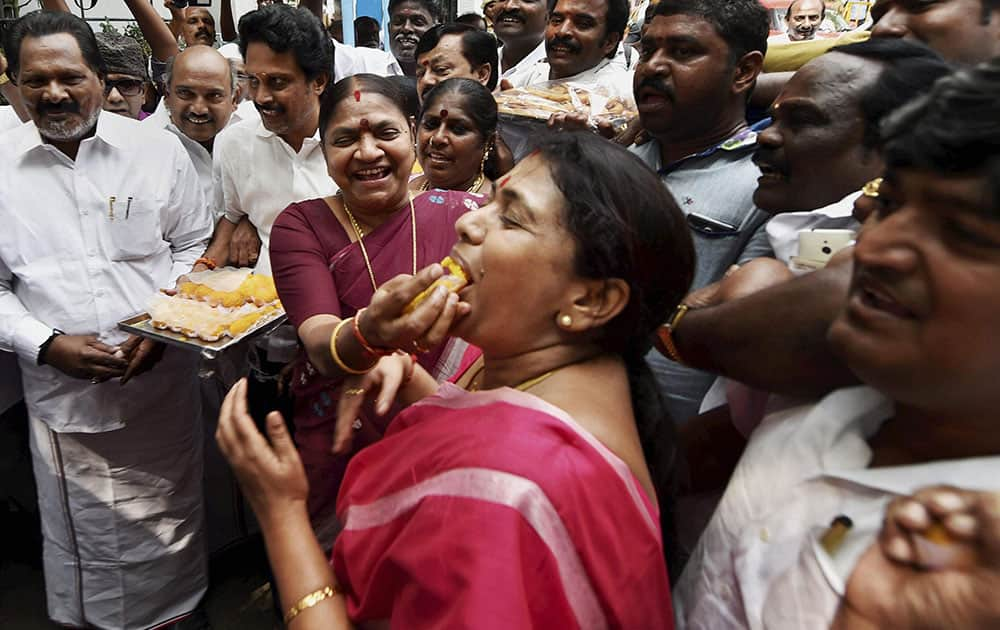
[
  {"x": 208, "y": 262},
  {"x": 378, "y": 352}
]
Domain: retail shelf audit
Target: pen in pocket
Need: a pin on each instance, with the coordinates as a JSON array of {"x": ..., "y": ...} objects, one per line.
[{"x": 111, "y": 207}]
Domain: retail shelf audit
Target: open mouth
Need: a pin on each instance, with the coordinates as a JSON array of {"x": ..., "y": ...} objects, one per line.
[
  {"x": 198, "y": 121},
  {"x": 770, "y": 174},
  {"x": 510, "y": 19},
  {"x": 874, "y": 298},
  {"x": 436, "y": 157},
  {"x": 650, "y": 97},
  {"x": 372, "y": 174},
  {"x": 562, "y": 50},
  {"x": 469, "y": 279}
]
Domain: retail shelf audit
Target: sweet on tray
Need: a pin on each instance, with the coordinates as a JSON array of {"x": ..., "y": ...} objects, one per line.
[
  {"x": 211, "y": 305},
  {"x": 542, "y": 100}
]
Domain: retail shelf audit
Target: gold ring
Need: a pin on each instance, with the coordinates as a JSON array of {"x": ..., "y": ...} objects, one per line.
[
  {"x": 871, "y": 189},
  {"x": 354, "y": 391}
]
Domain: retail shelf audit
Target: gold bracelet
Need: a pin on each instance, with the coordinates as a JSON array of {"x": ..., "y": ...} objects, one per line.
[
  {"x": 311, "y": 600},
  {"x": 665, "y": 333},
  {"x": 336, "y": 356}
]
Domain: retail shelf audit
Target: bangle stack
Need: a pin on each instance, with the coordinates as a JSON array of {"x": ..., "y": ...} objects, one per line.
[
  {"x": 336, "y": 355},
  {"x": 370, "y": 349},
  {"x": 311, "y": 600}
]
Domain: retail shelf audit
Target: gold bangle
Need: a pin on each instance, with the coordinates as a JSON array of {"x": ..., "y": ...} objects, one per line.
[
  {"x": 665, "y": 333},
  {"x": 336, "y": 356},
  {"x": 311, "y": 600}
]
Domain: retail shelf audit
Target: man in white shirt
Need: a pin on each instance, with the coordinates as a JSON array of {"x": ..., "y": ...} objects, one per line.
[
  {"x": 520, "y": 26},
  {"x": 581, "y": 43},
  {"x": 408, "y": 21},
  {"x": 98, "y": 213},
  {"x": 802, "y": 21},
  {"x": 919, "y": 327},
  {"x": 262, "y": 166},
  {"x": 351, "y": 60},
  {"x": 200, "y": 100}
]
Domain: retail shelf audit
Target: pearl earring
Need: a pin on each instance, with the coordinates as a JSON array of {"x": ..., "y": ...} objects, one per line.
[{"x": 565, "y": 321}]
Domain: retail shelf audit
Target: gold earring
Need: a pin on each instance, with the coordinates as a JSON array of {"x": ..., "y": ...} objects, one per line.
[{"x": 565, "y": 321}]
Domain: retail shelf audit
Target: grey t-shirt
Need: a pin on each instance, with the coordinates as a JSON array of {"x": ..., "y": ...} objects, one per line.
[{"x": 716, "y": 185}]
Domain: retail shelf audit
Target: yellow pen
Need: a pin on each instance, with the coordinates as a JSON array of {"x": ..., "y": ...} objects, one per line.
[{"x": 111, "y": 207}]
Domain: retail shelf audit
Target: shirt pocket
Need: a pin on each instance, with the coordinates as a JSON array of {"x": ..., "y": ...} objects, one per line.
[{"x": 133, "y": 229}]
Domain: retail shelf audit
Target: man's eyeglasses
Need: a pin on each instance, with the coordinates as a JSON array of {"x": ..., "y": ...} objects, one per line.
[{"x": 125, "y": 87}]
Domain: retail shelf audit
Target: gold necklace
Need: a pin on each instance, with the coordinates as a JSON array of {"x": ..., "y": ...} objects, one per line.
[
  {"x": 473, "y": 188},
  {"x": 475, "y": 384},
  {"x": 361, "y": 239}
]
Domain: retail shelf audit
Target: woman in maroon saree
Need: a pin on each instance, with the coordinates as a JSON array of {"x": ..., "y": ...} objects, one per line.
[{"x": 323, "y": 274}]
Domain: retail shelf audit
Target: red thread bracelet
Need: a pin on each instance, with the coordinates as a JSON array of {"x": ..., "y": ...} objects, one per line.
[{"x": 364, "y": 342}]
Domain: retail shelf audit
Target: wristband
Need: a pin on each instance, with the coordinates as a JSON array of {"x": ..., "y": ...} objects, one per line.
[
  {"x": 42, "y": 349},
  {"x": 370, "y": 349},
  {"x": 665, "y": 333},
  {"x": 208, "y": 262}
]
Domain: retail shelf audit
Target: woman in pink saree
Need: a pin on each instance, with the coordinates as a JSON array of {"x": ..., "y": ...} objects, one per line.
[
  {"x": 536, "y": 496},
  {"x": 328, "y": 256}
]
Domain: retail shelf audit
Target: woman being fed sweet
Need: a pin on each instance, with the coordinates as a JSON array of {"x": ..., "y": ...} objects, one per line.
[
  {"x": 330, "y": 255},
  {"x": 535, "y": 500},
  {"x": 456, "y": 136}
]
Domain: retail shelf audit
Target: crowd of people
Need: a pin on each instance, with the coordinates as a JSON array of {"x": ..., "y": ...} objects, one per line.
[{"x": 727, "y": 365}]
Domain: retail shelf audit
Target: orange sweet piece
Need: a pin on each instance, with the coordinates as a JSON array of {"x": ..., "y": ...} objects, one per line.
[{"x": 454, "y": 280}]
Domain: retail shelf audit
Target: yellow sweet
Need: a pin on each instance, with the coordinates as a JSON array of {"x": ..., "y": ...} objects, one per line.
[{"x": 454, "y": 281}]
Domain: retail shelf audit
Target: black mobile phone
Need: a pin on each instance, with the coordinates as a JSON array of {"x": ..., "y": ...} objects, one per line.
[
  {"x": 710, "y": 226},
  {"x": 180, "y": 4},
  {"x": 264, "y": 395}
]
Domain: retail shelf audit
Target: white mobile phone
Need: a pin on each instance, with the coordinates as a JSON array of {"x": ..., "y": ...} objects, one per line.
[{"x": 818, "y": 246}]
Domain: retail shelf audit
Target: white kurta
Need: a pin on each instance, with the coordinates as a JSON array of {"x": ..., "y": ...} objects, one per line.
[
  {"x": 118, "y": 468},
  {"x": 259, "y": 175},
  {"x": 759, "y": 563}
]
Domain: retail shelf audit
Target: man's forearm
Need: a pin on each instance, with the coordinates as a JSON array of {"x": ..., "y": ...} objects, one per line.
[
  {"x": 162, "y": 42},
  {"x": 774, "y": 339}
]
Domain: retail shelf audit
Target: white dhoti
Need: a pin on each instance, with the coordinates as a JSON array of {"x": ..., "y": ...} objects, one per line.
[{"x": 122, "y": 514}]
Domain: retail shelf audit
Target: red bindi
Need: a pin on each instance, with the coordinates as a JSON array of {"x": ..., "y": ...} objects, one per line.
[
  {"x": 444, "y": 114},
  {"x": 364, "y": 124},
  {"x": 357, "y": 95},
  {"x": 503, "y": 182}
]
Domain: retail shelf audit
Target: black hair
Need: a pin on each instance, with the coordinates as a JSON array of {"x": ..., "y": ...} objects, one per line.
[
  {"x": 478, "y": 47},
  {"x": 283, "y": 28},
  {"x": 471, "y": 19},
  {"x": 408, "y": 86},
  {"x": 788, "y": 11},
  {"x": 481, "y": 108},
  {"x": 627, "y": 225},
  {"x": 951, "y": 130},
  {"x": 910, "y": 70},
  {"x": 616, "y": 21},
  {"x": 42, "y": 23},
  {"x": 743, "y": 24},
  {"x": 432, "y": 7},
  {"x": 345, "y": 88}
]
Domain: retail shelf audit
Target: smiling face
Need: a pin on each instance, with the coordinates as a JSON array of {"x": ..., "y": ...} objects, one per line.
[
  {"x": 953, "y": 28},
  {"x": 446, "y": 61},
  {"x": 199, "y": 26},
  {"x": 61, "y": 92},
  {"x": 516, "y": 246},
  {"x": 920, "y": 320},
  {"x": 576, "y": 38},
  {"x": 369, "y": 152},
  {"x": 449, "y": 146},
  {"x": 288, "y": 102},
  {"x": 684, "y": 76},
  {"x": 812, "y": 154},
  {"x": 804, "y": 18},
  {"x": 409, "y": 20},
  {"x": 520, "y": 21},
  {"x": 200, "y": 96}
]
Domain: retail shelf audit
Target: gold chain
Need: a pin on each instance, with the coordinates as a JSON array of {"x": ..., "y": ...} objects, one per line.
[
  {"x": 473, "y": 188},
  {"x": 361, "y": 239}
]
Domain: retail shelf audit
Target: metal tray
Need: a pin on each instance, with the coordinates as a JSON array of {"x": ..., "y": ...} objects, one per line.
[{"x": 141, "y": 325}]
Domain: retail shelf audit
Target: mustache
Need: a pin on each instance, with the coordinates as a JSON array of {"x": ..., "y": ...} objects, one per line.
[
  {"x": 510, "y": 13},
  {"x": 656, "y": 83},
  {"x": 63, "y": 107},
  {"x": 565, "y": 41},
  {"x": 765, "y": 156},
  {"x": 194, "y": 118},
  {"x": 277, "y": 109}
]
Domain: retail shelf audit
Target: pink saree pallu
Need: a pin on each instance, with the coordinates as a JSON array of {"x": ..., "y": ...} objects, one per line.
[{"x": 495, "y": 510}]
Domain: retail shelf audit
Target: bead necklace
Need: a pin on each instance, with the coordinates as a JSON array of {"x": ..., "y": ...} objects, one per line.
[
  {"x": 473, "y": 188},
  {"x": 361, "y": 241}
]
